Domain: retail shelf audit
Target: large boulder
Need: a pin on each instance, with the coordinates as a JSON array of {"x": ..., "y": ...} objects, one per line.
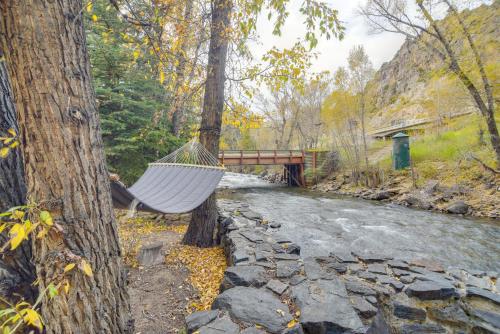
[
  {"x": 252, "y": 306},
  {"x": 198, "y": 319},
  {"x": 244, "y": 276},
  {"x": 223, "y": 325},
  {"x": 325, "y": 307},
  {"x": 458, "y": 207}
]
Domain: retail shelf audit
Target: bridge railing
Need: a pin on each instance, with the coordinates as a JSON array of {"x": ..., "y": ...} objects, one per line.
[{"x": 258, "y": 157}]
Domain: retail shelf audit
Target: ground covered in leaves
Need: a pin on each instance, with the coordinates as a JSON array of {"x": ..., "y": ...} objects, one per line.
[{"x": 163, "y": 294}]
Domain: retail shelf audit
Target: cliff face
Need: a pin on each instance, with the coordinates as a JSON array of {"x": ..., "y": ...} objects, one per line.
[{"x": 408, "y": 86}]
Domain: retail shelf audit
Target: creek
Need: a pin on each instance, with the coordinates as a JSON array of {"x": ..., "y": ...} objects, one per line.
[{"x": 321, "y": 223}]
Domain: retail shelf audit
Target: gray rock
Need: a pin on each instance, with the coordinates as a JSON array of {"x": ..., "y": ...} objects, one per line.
[
  {"x": 276, "y": 286},
  {"x": 483, "y": 294},
  {"x": 427, "y": 264},
  {"x": 275, "y": 225},
  {"x": 251, "y": 215},
  {"x": 239, "y": 256},
  {"x": 372, "y": 257},
  {"x": 198, "y": 319},
  {"x": 222, "y": 325},
  {"x": 341, "y": 268},
  {"x": 409, "y": 312},
  {"x": 325, "y": 307},
  {"x": 377, "y": 269},
  {"x": 355, "y": 268},
  {"x": 261, "y": 256},
  {"x": 264, "y": 247},
  {"x": 452, "y": 314},
  {"x": 458, "y": 207},
  {"x": 315, "y": 271},
  {"x": 364, "y": 308},
  {"x": 428, "y": 290},
  {"x": 491, "y": 318},
  {"x": 422, "y": 329},
  {"x": 372, "y": 300},
  {"x": 286, "y": 269},
  {"x": 416, "y": 201},
  {"x": 379, "y": 325},
  {"x": 252, "y": 236},
  {"x": 252, "y": 330},
  {"x": 297, "y": 279},
  {"x": 394, "y": 283},
  {"x": 483, "y": 282},
  {"x": 398, "y": 264},
  {"x": 400, "y": 272},
  {"x": 359, "y": 288},
  {"x": 343, "y": 257},
  {"x": 284, "y": 256},
  {"x": 265, "y": 264},
  {"x": 150, "y": 255},
  {"x": 293, "y": 249},
  {"x": 244, "y": 276},
  {"x": 380, "y": 195},
  {"x": 254, "y": 306},
  {"x": 367, "y": 276}
]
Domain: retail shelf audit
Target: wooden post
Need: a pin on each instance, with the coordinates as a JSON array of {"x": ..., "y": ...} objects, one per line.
[{"x": 222, "y": 158}]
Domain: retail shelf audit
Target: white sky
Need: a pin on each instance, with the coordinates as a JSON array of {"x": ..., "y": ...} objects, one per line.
[{"x": 332, "y": 53}]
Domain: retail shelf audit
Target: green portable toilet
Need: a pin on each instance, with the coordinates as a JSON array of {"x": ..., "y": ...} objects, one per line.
[{"x": 401, "y": 151}]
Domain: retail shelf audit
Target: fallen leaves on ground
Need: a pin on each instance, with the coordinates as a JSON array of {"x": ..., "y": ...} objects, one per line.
[
  {"x": 132, "y": 230},
  {"x": 206, "y": 266}
]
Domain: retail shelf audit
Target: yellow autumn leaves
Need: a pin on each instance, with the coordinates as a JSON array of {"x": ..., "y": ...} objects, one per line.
[
  {"x": 21, "y": 227},
  {"x": 9, "y": 142},
  {"x": 206, "y": 267}
]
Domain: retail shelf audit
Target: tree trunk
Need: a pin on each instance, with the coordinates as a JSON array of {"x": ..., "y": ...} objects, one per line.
[
  {"x": 202, "y": 230},
  {"x": 45, "y": 49},
  {"x": 18, "y": 272},
  {"x": 177, "y": 109}
]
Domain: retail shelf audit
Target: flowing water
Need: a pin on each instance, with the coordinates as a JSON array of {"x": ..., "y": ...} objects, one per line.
[{"x": 321, "y": 223}]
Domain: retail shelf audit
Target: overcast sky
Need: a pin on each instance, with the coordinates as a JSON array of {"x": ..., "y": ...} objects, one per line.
[{"x": 332, "y": 53}]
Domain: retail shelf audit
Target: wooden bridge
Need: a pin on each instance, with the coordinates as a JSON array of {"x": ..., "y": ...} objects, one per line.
[{"x": 295, "y": 162}]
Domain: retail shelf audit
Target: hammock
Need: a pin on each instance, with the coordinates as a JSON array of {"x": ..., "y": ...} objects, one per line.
[{"x": 177, "y": 183}]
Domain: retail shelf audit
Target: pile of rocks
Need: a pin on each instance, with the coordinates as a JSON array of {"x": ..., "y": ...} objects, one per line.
[{"x": 269, "y": 288}]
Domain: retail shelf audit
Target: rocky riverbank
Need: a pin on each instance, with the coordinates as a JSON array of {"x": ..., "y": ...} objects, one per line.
[
  {"x": 479, "y": 199},
  {"x": 269, "y": 288}
]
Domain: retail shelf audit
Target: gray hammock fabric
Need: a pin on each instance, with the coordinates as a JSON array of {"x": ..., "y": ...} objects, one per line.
[{"x": 178, "y": 183}]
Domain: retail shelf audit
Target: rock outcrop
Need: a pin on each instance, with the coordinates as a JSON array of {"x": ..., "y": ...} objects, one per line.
[{"x": 267, "y": 289}]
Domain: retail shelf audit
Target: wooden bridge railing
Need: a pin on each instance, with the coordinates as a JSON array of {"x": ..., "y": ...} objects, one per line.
[{"x": 261, "y": 157}]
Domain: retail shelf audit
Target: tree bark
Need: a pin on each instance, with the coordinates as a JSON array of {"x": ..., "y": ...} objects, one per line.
[
  {"x": 202, "y": 230},
  {"x": 177, "y": 109},
  {"x": 45, "y": 49},
  {"x": 18, "y": 272}
]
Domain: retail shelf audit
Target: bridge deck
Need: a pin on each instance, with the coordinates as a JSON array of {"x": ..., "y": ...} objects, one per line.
[{"x": 261, "y": 157}]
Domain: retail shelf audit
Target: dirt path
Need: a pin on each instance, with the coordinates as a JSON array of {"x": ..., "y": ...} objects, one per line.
[{"x": 159, "y": 294}]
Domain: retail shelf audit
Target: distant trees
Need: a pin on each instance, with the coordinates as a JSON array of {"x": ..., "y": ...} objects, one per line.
[
  {"x": 65, "y": 172},
  {"x": 319, "y": 17},
  {"x": 345, "y": 110},
  {"x": 424, "y": 28}
]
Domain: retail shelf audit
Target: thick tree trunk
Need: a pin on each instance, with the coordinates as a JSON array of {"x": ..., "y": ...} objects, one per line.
[
  {"x": 202, "y": 230},
  {"x": 177, "y": 109},
  {"x": 45, "y": 49},
  {"x": 17, "y": 273}
]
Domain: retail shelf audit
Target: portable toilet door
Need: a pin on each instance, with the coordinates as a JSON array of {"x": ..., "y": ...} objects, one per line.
[{"x": 400, "y": 151}]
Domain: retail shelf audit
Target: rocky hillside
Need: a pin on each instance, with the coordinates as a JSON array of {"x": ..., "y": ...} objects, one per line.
[{"x": 414, "y": 83}]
